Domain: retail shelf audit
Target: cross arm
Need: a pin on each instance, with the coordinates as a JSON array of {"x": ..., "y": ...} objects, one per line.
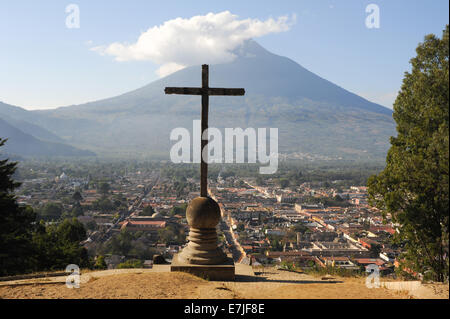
[
  {"x": 183, "y": 90},
  {"x": 200, "y": 91},
  {"x": 222, "y": 91}
]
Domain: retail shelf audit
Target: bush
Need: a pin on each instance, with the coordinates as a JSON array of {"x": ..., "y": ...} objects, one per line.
[
  {"x": 287, "y": 265},
  {"x": 100, "y": 263},
  {"x": 132, "y": 263}
]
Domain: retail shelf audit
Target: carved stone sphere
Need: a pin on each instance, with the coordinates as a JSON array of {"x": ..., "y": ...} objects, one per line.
[{"x": 203, "y": 212}]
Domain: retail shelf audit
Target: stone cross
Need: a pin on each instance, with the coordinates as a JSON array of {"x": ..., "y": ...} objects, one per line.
[
  {"x": 205, "y": 91},
  {"x": 202, "y": 256}
]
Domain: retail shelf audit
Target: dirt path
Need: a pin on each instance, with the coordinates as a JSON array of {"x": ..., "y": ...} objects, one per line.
[{"x": 277, "y": 284}]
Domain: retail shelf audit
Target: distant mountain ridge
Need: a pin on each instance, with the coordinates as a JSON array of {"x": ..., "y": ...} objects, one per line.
[
  {"x": 24, "y": 144},
  {"x": 33, "y": 129},
  {"x": 313, "y": 115}
]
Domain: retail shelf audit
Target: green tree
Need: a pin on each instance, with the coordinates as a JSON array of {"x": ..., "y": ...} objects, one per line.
[
  {"x": 173, "y": 233},
  {"x": 16, "y": 225},
  {"x": 91, "y": 225},
  {"x": 71, "y": 230},
  {"x": 375, "y": 250},
  {"x": 121, "y": 243},
  {"x": 77, "y": 196},
  {"x": 59, "y": 245},
  {"x": 240, "y": 227},
  {"x": 413, "y": 187},
  {"x": 299, "y": 228},
  {"x": 284, "y": 182},
  {"x": 103, "y": 204},
  {"x": 119, "y": 202},
  {"x": 132, "y": 263},
  {"x": 147, "y": 211},
  {"x": 51, "y": 211},
  {"x": 104, "y": 188},
  {"x": 100, "y": 263},
  {"x": 260, "y": 181},
  {"x": 178, "y": 210},
  {"x": 77, "y": 210},
  {"x": 142, "y": 251}
]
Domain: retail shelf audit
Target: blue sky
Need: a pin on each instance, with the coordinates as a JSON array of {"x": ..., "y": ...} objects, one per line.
[{"x": 44, "y": 64}]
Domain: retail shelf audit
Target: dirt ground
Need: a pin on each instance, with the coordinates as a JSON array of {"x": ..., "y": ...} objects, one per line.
[{"x": 273, "y": 284}]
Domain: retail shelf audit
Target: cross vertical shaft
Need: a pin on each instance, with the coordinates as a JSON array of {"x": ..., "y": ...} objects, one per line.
[
  {"x": 204, "y": 139},
  {"x": 205, "y": 91}
]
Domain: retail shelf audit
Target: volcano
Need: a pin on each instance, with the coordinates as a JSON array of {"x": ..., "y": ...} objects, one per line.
[{"x": 315, "y": 118}]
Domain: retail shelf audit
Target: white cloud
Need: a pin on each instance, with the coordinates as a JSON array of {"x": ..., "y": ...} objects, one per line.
[
  {"x": 210, "y": 38},
  {"x": 168, "y": 68}
]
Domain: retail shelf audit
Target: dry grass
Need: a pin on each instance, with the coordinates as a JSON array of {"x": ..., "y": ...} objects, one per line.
[{"x": 270, "y": 285}]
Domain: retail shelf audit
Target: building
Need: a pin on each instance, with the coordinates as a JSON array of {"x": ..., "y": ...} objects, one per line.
[
  {"x": 336, "y": 249},
  {"x": 339, "y": 262},
  {"x": 145, "y": 226}
]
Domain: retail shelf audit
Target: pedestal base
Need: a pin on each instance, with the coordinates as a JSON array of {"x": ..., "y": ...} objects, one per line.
[{"x": 222, "y": 272}]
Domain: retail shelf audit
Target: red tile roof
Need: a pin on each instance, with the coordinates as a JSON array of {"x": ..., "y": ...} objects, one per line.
[
  {"x": 156, "y": 223},
  {"x": 368, "y": 261}
]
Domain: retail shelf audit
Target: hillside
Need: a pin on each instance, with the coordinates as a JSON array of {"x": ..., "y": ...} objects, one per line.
[
  {"x": 33, "y": 129},
  {"x": 24, "y": 144}
]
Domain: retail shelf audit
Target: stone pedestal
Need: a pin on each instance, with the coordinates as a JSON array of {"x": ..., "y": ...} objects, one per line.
[
  {"x": 201, "y": 256},
  {"x": 225, "y": 271}
]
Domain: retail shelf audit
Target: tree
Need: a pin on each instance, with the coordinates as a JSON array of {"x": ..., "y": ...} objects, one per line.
[
  {"x": 77, "y": 196},
  {"x": 276, "y": 243},
  {"x": 240, "y": 227},
  {"x": 147, "y": 211},
  {"x": 413, "y": 187},
  {"x": 72, "y": 231},
  {"x": 284, "y": 182},
  {"x": 142, "y": 251},
  {"x": 121, "y": 243},
  {"x": 91, "y": 225},
  {"x": 77, "y": 210},
  {"x": 173, "y": 233},
  {"x": 132, "y": 263},
  {"x": 120, "y": 202},
  {"x": 51, "y": 211},
  {"x": 299, "y": 228},
  {"x": 103, "y": 204},
  {"x": 178, "y": 210},
  {"x": 375, "y": 250},
  {"x": 59, "y": 245},
  {"x": 100, "y": 263},
  {"x": 16, "y": 224},
  {"x": 260, "y": 181},
  {"x": 104, "y": 188}
]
